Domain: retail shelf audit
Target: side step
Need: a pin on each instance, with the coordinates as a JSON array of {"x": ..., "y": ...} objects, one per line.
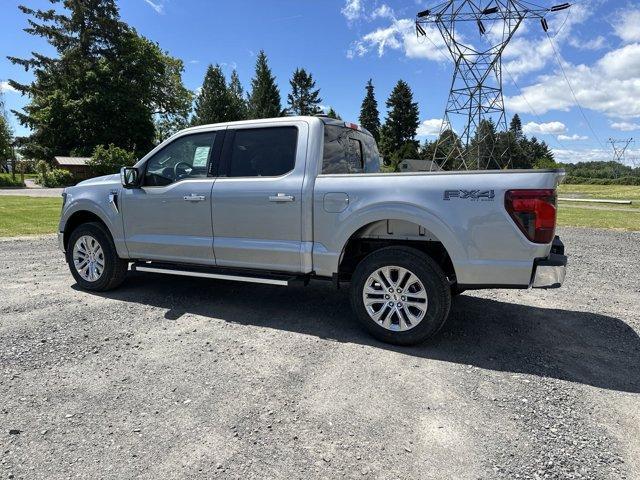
[{"x": 218, "y": 274}]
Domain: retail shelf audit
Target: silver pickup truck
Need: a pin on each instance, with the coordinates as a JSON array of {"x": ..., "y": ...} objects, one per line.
[{"x": 292, "y": 199}]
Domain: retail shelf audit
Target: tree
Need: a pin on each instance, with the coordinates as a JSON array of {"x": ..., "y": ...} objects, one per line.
[
  {"x": 6, "y": 136},
  {"x": 333, "y": 114},
  {"x": 108, "y": 160},
  {"x": 482, "y": 148},
  {"x": 237, "y": 102},
  {"x": 264, "y": 101},
  {"x": 397, "y": 136},
  {"x": 212, "y": 103},
  {"x": 304, "y": 99},
  {"x": 369, "y": 115},
  {"x": 105, "y": 85},
  {"x": 515, "y": 127}
]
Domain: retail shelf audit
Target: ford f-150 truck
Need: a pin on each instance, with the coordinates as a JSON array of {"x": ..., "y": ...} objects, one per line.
[{"x": 291, "y": 199}]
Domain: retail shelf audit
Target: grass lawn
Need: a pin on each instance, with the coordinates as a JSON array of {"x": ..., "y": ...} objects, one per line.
[
  {"x": 28, "y": 215},
  {"x": 625, "y": 217},
  {"x": 608, "y": 192}
]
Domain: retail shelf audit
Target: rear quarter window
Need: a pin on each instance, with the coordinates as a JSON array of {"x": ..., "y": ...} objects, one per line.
[{"x": 348, "y": 151}]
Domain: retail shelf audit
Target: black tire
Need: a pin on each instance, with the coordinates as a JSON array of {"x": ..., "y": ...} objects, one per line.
[
  {"x": 455, "y": 290},
  {"x": 430, "y": 275},
  {"x": 115, "y": 269}
]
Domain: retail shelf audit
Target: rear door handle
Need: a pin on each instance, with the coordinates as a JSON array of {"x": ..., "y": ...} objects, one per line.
[
  {"x": 194, "y": 198},
  {"x": 281, "y": 197}
]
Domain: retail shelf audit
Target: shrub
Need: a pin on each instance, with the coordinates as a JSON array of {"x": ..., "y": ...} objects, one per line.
[
  {"x": 6, "y": 180},
  {"x": 53, "y": 178},
  {"x": 576, "y": 180},
  {"x": 109, "y": 160}
]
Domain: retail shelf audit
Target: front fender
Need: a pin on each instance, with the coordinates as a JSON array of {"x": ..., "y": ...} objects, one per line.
[{"x": 96, "y": 201}]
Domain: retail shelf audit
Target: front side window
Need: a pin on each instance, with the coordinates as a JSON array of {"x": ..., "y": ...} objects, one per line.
[
  {"x": 348, "y": 151},
  {"x": 263, "y": 152},
  {"x": 186, "y": 157}
]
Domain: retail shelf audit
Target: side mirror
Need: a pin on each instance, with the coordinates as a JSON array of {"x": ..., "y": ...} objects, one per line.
[{"x": 129, "y": 177}]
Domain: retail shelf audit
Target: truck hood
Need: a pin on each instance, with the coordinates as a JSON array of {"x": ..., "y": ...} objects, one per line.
[{"x": 115, "y": 178}]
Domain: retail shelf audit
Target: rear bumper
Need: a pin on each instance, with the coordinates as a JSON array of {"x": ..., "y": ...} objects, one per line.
[{"x": 550, "y": 272}]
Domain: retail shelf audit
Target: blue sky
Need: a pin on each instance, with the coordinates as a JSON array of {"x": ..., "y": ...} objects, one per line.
[{"x": 346, "y": 42}]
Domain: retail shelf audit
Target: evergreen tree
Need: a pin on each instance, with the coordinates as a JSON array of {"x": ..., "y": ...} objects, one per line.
[
  {"x": 333, "y": 114},
  {"x": 264, "y": 101},
  {"x": 482, "y": 152},
  {"x": 104, "y": 86},
  {"x": 6, "y": 136},
  {"x": 237, "y": 102},
  {"x": 445, "y": 151},
  {"x": 304, "y": 97},
  {"x": 369, "y": 115},
  {"x": 397, "y": 136},
  {"x": 212, "y": 103},
  {"x": 515, "y": 127}
]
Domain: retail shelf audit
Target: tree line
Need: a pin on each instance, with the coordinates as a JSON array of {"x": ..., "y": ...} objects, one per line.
[{"x": 110, "y": 86}]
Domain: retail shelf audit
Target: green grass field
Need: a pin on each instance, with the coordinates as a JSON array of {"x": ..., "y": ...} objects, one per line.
[
  {"x": 28, "y": 215},
  {"x": 626, "y": 217}
]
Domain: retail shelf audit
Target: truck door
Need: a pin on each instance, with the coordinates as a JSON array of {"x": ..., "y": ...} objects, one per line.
[
  {"x": 257, "y": 197},
  {"x": 169, "y": 217}
]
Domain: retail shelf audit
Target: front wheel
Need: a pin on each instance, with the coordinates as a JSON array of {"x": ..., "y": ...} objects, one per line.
[
  {"x": 400, "y": 295},
  {"x": 93, "y": 260}
]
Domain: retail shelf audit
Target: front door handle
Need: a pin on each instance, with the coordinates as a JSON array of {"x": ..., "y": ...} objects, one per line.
[
  {"x": 194, "y": 198},
  {"x": 281, "y": 197}
]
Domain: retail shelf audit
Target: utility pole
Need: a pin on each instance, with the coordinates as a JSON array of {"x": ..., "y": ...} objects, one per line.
[{"x": 476, "y": 88}]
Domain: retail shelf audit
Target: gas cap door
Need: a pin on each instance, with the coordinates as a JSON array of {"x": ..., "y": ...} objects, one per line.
[{"x": 335, "y": 202}]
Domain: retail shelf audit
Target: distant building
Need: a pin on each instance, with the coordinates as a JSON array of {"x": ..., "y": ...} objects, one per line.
[
  {"x": 76, "y": 165},
  {"x": 418, "y": 166}
]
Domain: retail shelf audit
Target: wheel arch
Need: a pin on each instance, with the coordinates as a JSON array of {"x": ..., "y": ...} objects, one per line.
[
  {"x": 384, "y": 232},
  {"x": 78, "y": 218}
]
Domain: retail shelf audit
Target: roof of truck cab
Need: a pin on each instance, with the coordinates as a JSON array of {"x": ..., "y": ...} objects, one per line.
[{"x": 312, "y": 118}]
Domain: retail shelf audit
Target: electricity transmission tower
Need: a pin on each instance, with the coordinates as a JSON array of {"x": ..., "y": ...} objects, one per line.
[
  {"x": 475, "y": 97},
  {"x": 619, "y": 149}
]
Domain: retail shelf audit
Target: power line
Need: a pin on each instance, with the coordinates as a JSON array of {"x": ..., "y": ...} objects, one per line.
[
  {"x": 573, "y": 93},
  {"x": 556, "y": 139}
]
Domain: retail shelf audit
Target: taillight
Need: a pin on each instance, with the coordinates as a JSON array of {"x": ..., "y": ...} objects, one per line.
[{"x": 534, "y": 211}]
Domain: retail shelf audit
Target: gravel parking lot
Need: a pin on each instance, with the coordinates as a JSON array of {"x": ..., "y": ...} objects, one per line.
[{"x": 187, "y": 378}]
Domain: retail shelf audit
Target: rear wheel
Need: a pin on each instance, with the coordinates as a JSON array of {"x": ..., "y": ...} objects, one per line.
[
  {"x": 400, "y": 295},
  {"x": 93, "y": 260}
]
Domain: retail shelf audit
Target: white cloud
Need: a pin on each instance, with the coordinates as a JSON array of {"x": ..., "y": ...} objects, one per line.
[
  {"x": 353, "y": 10},
  {"x": 591, "y": 155},
  {"x": 625, "y": 126},
  {"x": 157, "y": 6},
  {"x": 5, "y": 87},
  {"x": 526, "y": 54},
  {"x": 627, "y": 25},
  {"x": 573, "y": 137},
  {"x": 610, "y": 86},
  {"x": 430, "y": 128},
  {"x": 383, "y": 11},
  {"x": 593, "y": 44},
  {"x": 401, "y": 35},
  {"x": 550, "y": 128}
]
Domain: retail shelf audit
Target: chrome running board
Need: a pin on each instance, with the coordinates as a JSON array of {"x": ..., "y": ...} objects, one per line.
[{"x": 268, "y": 280}]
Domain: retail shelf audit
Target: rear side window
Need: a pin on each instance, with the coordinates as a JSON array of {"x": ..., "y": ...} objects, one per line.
[
  {"x": 263, "y": 152},
  {"x": 347, "y": 150}
]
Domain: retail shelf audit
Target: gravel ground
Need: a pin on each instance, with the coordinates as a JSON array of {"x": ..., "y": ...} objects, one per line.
[{"x": 168, "y": 378}]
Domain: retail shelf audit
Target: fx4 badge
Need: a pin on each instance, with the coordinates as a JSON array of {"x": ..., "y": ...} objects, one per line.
[{"x": 482, "y": 195}]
